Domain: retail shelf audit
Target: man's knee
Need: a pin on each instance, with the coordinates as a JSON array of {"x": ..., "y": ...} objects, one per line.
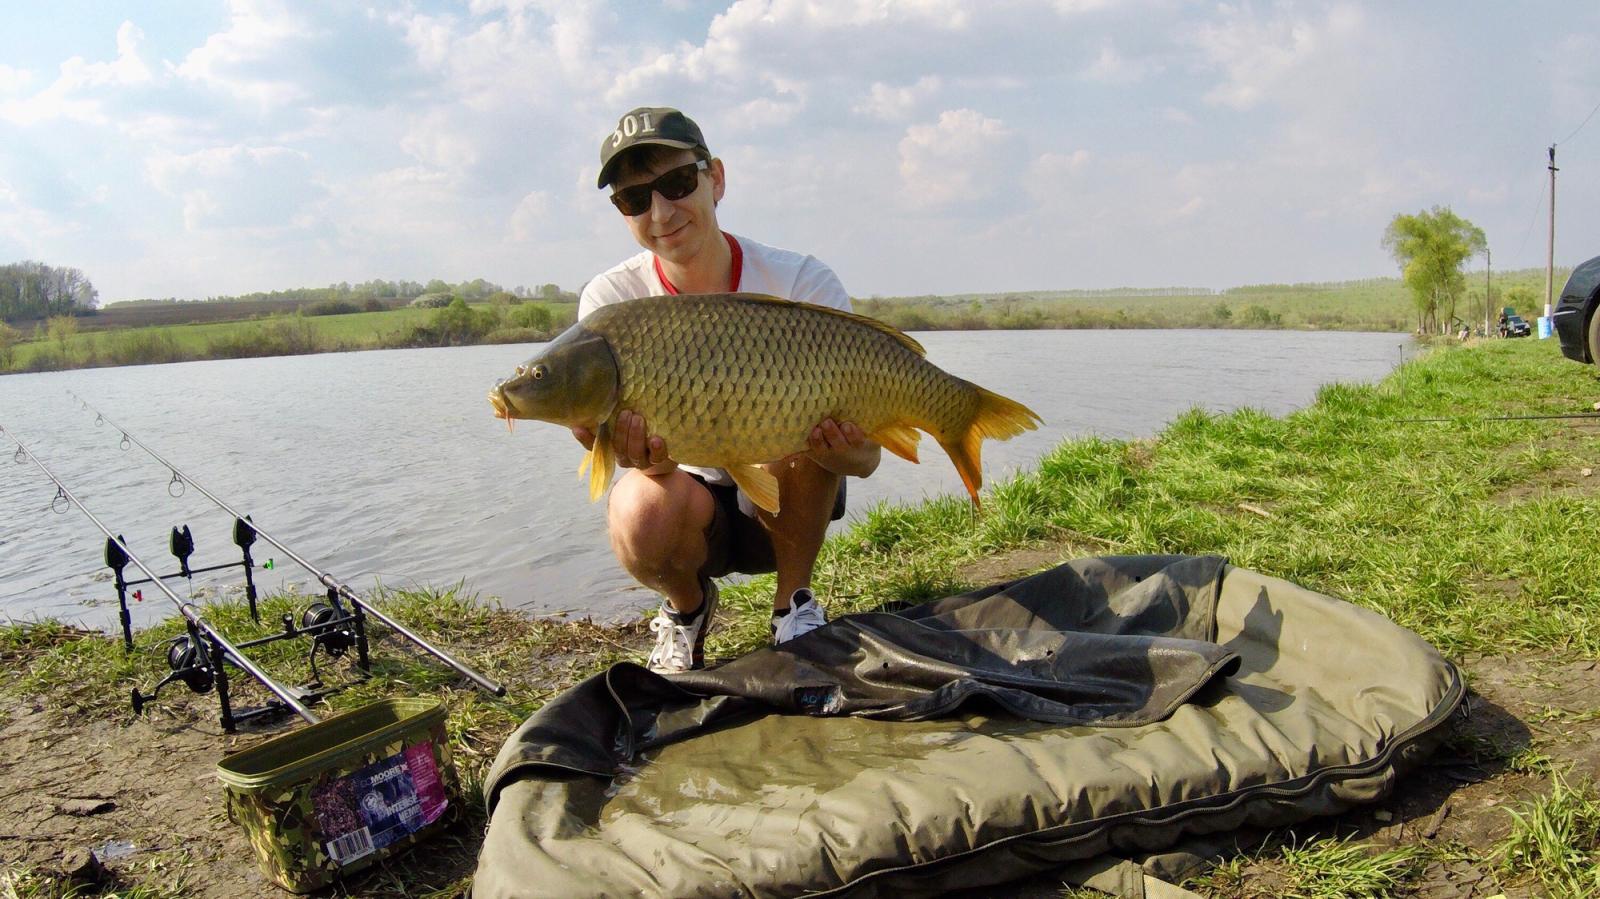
[{"x": 651, "y": 516}]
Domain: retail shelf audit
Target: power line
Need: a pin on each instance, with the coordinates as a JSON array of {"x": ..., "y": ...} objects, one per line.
[
  {"x": 1535, "y": 218},
  {"x": 1580, "y": 126}
]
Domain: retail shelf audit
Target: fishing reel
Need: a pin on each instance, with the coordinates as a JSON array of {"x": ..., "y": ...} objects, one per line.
[
  {"x": 190, "y": 662},
  {"x": 334, "y": 639}
]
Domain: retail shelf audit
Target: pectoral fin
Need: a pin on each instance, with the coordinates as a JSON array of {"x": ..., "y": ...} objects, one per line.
[
  {"x": 599, "y": 463},
  {"x": 898, "y": 439},
  {"x": 758, "y": 484}
]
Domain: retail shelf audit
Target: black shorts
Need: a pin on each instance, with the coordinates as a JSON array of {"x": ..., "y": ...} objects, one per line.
[{"x": 738, "y": 542}]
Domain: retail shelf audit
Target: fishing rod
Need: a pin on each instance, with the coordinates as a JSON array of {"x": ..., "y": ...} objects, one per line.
[
  {"x": 336, "y": 589},
  {"x": 192, "y": 664}
]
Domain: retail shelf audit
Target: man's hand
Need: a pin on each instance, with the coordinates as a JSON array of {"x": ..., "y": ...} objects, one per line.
[
  {"x": 633, "y": 445},
  {"x": 842, "y": 448}
]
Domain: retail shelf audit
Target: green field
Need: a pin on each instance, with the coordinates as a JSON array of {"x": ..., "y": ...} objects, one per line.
[{"x": 282, "y": 335}]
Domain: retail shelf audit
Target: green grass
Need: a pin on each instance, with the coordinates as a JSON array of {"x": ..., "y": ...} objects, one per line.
[
  {"x": 1419, "y": 521},
  {"x": 1476, "y": 534},
  {"x": 1555, "y": 841},
  {"x": 1319, "y": 869}
]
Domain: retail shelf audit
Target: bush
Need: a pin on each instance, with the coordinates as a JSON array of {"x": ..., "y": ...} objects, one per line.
[
  {"x": 292, "y": 336},
  {"x": 372, "y": 304},
  {"x": 9, "y": 338},
  {"x": 330, "y": 307},
  {"x": 516, "y": 335},
  {"x": 433, "y": 301},
  {"x": 47, "y": 358},
  {"x": 1254, "y": 316},
  {"x": 455, "y": 325},
  {"x": 143, "y": 347},
  {"x": 531, "y": 315}
]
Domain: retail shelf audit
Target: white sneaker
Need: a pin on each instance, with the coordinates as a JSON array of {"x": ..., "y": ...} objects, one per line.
[
  {"x": 805, "y": 615},
  {"x": 681, "y": 646}
]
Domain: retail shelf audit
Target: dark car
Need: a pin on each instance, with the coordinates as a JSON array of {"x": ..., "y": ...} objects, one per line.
[
  {"x": 1512, "y": 324},
  {"x": 1575, "y": 322}
]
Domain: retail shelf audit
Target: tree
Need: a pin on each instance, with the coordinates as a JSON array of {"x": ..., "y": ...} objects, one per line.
[
  {"x": 1430, "y": 248},
  {"x": 1521, "y": 298},
  {"x": 35, "y": 290},
  {"x": 9, "y": 338}
]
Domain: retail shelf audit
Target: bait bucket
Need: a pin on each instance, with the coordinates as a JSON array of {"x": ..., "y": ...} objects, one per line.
[{"x": 335, "y": 797}]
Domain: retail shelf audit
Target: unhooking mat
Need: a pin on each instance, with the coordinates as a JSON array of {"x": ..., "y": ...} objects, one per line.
[{"x": 1108, "y": 707}]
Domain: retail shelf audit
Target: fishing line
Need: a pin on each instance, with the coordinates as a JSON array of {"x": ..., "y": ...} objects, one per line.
[
  {"x": 190, "y": 612},
  {"x": 1470, "y": 419},
  {"x": 335, "y": 587}
]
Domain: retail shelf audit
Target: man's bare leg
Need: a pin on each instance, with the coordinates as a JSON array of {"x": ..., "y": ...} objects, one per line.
[
  {"x": 806, "y": 493},
  {"x": 658, "y": 531}
]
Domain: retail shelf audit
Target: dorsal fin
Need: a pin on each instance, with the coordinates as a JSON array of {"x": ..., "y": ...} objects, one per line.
[{"x": 900, "y": 336}]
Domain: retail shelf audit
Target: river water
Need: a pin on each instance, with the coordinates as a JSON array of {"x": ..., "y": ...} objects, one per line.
[{"x": 387, "y": 467}]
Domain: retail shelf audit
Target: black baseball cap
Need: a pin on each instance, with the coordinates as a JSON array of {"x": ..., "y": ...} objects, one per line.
[{"x": 661, "y": 125}]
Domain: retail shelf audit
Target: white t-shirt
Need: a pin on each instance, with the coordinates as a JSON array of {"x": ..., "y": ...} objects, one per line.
[{"x": 762, "y": 269}]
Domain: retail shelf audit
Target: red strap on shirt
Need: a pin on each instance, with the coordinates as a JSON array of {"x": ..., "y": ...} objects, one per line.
[{"x": 736, "y": 270}]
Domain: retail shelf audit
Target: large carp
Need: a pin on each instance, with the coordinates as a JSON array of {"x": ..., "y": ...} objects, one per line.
[{"x": 735, "y": 380}]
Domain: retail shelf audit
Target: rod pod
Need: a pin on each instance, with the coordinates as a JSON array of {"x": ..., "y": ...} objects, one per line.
[
  {"x": 220, "y": 649},
  {"x": 336, "y": 589}
]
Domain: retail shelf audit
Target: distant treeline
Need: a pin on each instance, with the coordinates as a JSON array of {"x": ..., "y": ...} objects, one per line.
[
  {"x": 33, "y": 290},
  {"x": 335, "y": 299},
  {"x": 298, "y": 333},
  {"x": 376, "y": 289}
]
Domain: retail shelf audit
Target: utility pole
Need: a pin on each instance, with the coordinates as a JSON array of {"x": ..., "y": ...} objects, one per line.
[
  {"x": 1550, "y": 247},
  {"x": 1488, "y": 299}
]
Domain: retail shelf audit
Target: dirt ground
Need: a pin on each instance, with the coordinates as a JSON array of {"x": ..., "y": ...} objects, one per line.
[{"x": 142, "y": 793}]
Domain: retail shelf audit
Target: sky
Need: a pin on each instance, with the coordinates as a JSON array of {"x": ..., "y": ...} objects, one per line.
[{"x": 188, "y": 149}]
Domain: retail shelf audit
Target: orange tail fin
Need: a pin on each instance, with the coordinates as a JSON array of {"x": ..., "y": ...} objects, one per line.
[{"x": 998, "y": 418}]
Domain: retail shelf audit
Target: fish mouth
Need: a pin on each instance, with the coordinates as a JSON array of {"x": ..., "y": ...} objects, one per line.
[{"x": 503, "y": 407}]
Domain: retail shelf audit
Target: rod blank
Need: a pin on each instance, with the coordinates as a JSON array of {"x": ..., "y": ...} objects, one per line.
[
  {"x": 188, "y": 609},
  {"x": 326, "y": 579}
]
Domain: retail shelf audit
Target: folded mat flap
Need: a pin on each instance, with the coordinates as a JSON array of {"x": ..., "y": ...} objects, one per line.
[{"x": 1109, "y": 642}]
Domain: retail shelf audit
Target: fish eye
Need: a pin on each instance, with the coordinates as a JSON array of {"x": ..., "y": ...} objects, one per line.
[{"x": 538, "y": 372}]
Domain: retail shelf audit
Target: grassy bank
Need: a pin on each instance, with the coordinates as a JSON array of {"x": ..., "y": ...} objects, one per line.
[
  {"x": 1372, "y": 304},
  {"x": 295, "y": 334},
  {"x": 1479, "y": 535}
]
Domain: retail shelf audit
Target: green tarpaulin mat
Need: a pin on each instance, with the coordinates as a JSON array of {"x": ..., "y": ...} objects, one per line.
[{"x": 1110, "y": 707}]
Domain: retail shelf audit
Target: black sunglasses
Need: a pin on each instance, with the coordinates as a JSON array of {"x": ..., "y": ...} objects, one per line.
[{"x": 674, "y": 184}]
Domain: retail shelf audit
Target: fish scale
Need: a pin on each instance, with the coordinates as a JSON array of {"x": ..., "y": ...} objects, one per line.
[
  {"x": 773, "y": 374},
  {"x": 735, "y": 380}
]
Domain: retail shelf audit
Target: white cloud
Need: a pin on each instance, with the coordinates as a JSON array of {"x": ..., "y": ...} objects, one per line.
[
  {"x": 1111, "y": 67},
  {"x": 1189, "y": 209},
  {"x": 955, "y": 160},
  {"x": 1056, "y": 167},
  {"x": 238, "y": 187},
  {"x": 532, "y": 217},
  {"x": 1258, "y": 53},
  {"x": 76, "y": 92},
  {"x": 893, "y": 104},
  {"x": 753, "y": 15},
  {"x": 13, "y": 80},
  {"x": 239, "y": 61},
  {"x": 433, "y": 140}
]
